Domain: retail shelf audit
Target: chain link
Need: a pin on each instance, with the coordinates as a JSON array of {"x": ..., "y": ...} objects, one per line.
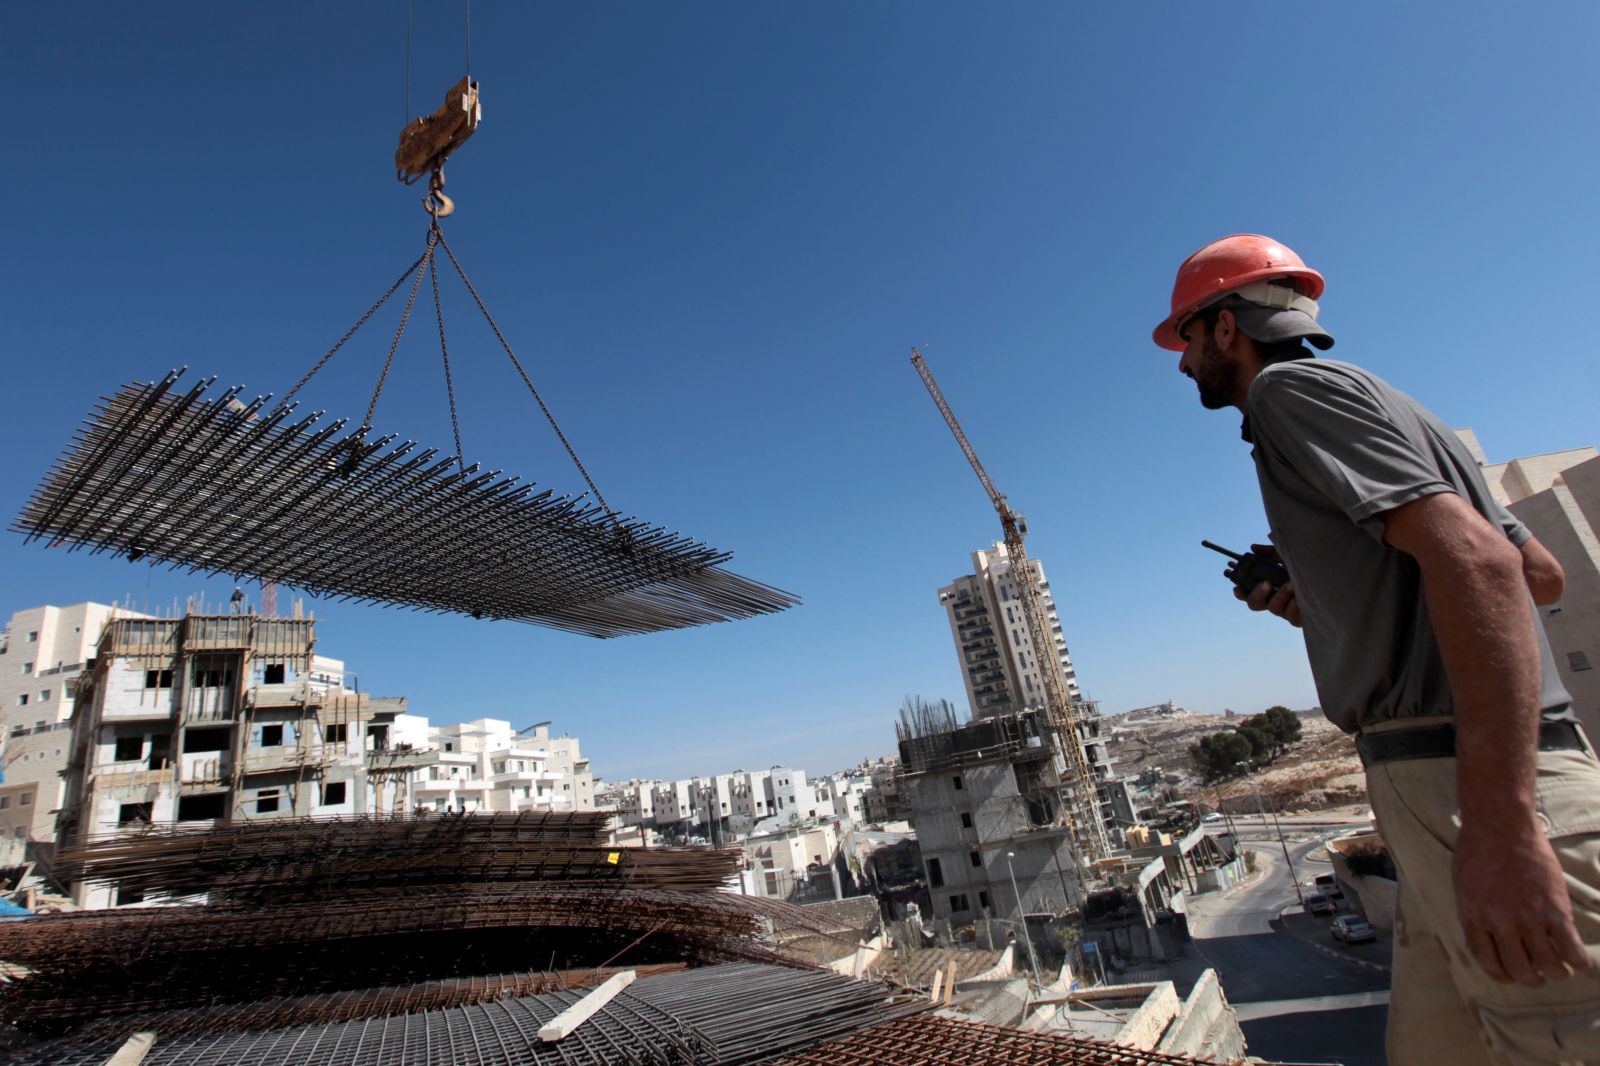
[
  {"x": 444, "y": 350},
  {"x": 405, "y": 316},
  {"x": 524, "y": 374},
  {"x": 351, "y": 332}
]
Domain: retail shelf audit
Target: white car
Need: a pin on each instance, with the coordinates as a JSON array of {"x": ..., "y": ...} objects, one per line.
[{"x": 1212, "y": 817}]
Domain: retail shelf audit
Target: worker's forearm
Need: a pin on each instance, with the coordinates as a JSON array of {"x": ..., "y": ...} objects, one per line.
[{"x": 1481, "y": 615}]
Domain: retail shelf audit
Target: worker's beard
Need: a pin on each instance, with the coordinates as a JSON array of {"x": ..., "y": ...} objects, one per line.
[{"x": 1215, "y": 375}]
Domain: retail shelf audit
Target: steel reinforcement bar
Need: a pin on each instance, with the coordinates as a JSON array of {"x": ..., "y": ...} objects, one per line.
[{"x": 222, "y": 486}]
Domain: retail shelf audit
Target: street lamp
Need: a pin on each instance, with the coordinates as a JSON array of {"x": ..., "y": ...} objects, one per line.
[
  {"x": 1293, "y": 877},
  {"x": 1022, "y": 920}
]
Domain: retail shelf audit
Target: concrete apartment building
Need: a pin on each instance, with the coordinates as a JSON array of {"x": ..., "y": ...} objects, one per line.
[
  {"x": 42, "y": 652},
  {"x": 485, "y": 765},
  {"x": 1557, "y": 495},
  {"x": 985, "y": 804},
  {"x": 216, "y": 718},
  {"x": 1001, "y": 668}
]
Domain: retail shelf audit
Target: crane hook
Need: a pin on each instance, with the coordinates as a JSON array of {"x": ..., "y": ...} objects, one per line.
[{"x": 436, "y": 203}]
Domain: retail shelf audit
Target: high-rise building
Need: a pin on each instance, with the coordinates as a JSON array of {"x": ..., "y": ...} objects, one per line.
[
  {"x": 998, "y": 660},
  {"x": 1557, "y": 495},
  {"x": 1001, "y": 667}
]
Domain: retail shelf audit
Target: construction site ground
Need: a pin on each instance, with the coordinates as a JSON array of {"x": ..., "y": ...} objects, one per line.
[{"x": 1320, "y": 770}]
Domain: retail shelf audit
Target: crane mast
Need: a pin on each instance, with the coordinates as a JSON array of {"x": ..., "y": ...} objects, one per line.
[{"x": 1083, "y": 809}]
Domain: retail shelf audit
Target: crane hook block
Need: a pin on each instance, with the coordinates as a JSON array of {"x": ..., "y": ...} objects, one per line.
[{"x": 427, "y": 141}]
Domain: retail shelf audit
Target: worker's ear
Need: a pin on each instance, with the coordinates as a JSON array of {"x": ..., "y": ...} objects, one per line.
[{"x": 1226, "y": 329}]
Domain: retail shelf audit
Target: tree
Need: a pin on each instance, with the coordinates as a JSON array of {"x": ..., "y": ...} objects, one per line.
[
  {"x": 1263, "y": 746},
  {"x": 1217, "y": 755}
]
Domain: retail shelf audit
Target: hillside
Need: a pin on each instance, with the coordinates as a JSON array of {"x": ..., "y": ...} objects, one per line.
[{"x": 1322, "y": 769}]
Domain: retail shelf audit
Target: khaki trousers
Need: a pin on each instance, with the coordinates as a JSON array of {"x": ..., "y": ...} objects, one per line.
[{"x": 1443, "y": 1009}]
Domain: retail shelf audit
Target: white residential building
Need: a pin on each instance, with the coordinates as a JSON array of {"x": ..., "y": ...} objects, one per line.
[
  {"x": 998, "y": 660},
  {"x": 42, "y": 652},
  {"x": 485, "y": 765},
  {"x": 1557, "y": 495}
]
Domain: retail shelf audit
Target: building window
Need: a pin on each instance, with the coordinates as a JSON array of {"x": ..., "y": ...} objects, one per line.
[
  {"x": 273, "y": 674},
  {"x": 44, "y": 696},
  {"x": 935, "y": 874},
  {"x": 977, "y": 860},
  {"x": 983, "y": 900},
  {"x": 266, "y": 801},
  {"x": 334, "y": 733},
  {"x": 212, "y": 677},
  {"x": 333, "y": 793},
  {"x": 5, "y": 801},
  {"x": 27, "y": 668},
  {"x": 22, "y": 700},
  {"x": 129, "y": 749},
  {"x": 956, "y": 781},
  {"x": 33, "y": 636},
  {"x": 958, "y": 902},
  {"x": 158, "y": 679},
  {"x": 1578, "y": 661},
  {"x": 272, "y": 736},
  {"x": 127, "y": 896},
  {"x": 449, "y": 746},
  {"x": 25, "y": 800},
  {"x": 202, "y": 808},
  {"x": 205, "y": 740},
  {"x": 135, "y": 814},
  {"x": 966, "y": 820}
]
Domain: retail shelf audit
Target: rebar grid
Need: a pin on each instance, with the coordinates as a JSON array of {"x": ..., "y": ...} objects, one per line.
[
  {"x": 280, "y": 1012},
  {"x": 302, "y": 859},
  {"x": 91, "y": 964},
  {"x": 932, "y": 1040},
  {"x": 221, "y": 486},
  {"x": 87, "y": 940},
  {"x": 731, "y": 1014}
]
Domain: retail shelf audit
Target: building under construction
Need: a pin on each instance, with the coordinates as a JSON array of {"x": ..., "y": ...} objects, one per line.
[
  {"x": 986, "y": 802},
  {"x": 218, "y": 718},
  {"x": 1003, "y": 669}
]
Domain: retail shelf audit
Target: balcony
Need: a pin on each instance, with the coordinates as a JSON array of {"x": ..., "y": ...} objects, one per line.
[
  {"x": 200, "y": 772},
  {"x": 524, "y": 777}
]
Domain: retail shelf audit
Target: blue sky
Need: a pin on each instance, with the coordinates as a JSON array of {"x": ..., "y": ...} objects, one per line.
[{"x": 713, "y": 231}]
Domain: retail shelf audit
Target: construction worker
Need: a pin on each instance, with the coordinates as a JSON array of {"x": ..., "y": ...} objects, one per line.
[{"x": 1415, "y": 591}]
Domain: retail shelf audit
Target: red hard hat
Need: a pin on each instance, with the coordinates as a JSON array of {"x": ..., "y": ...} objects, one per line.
[{"x": 1225, "y": 265}]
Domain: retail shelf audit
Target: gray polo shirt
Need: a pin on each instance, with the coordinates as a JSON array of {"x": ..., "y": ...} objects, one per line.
[{"x": 1335, "y": 447}]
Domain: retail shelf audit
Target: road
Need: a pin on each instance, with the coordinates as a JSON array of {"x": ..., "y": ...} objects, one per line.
[{"x": 1295, "y": 1004}]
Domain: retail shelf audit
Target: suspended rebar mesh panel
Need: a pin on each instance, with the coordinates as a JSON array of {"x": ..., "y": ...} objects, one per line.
[{"x": 223, "y": 487}]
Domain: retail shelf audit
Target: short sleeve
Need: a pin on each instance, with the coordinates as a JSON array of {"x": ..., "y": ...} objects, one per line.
[{"x": 1344, "y": 443}]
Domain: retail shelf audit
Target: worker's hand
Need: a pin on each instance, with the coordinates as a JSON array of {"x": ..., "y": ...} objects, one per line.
[
  {"x": 1514, "y": 907},
  {"x": 1263, "y": 598}
]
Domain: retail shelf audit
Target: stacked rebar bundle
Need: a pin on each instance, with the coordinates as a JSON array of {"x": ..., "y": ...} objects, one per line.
[
  {"x": 730, "y": 1015},
  {"x": 310, "y": 906},
  {"x": 282, "y": 1012},
  {"x": 291, "y": 859},
  {"x": 930, "y": 1038},
  {"x": 92, "y": 963},
  {"x": 225, "y": 487}
]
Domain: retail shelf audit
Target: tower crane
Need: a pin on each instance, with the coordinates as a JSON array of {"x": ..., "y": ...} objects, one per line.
[{"x": 1082, "y": 807}]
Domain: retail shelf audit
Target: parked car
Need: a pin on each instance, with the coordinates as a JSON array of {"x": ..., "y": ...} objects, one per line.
[
  {"x": 1212, "y": 817},
  {"x": 1328, "y": 885},
  {"x": 1317, "y": 903},
  {"x": 1352, "y": 929}
]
